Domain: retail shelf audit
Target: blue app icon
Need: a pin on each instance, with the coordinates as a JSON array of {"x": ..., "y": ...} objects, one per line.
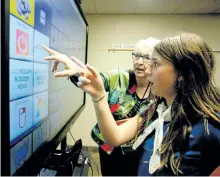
[
  {"x": 20, "y": 153},
  {"x": 43, "y": 17}
]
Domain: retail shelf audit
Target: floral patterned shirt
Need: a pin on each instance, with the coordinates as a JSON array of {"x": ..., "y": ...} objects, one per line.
[{"x": 122, "y": 99}]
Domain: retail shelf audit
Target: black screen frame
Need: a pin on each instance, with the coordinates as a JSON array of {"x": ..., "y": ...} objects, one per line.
[
  {"x": 5, "y": 126},
  {"x": 32, "y": 166}
]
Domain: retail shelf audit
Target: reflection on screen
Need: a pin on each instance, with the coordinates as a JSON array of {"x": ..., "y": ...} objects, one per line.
[{"x": 40, "y": 105}]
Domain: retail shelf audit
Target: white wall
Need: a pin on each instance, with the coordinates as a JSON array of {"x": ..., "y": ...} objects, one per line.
[{"x": 105, "y": 30}]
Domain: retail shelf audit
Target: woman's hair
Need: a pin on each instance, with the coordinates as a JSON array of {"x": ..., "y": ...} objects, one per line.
[
  {"x": 148, "y": 44},
  {"x": 197, "y": 96}
]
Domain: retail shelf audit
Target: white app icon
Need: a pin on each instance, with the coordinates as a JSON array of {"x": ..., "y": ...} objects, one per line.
[
  {"x": 22, "y": 117},
  {"x": 42, "y": 17}
]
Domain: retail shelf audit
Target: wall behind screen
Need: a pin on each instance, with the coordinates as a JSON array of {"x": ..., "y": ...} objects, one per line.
[{"x": 105, "y": 30}]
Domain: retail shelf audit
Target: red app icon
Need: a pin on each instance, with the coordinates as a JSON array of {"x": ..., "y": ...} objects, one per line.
[{"x": 22, "y": 40}]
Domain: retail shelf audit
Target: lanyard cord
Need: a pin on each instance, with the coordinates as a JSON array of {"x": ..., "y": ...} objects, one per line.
[
  {"x": 136, "y": 107},
  {"x": 146, "y": 90}
]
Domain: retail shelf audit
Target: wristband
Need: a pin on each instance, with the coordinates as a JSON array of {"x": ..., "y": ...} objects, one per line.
[{"x": 99, "y": 99}]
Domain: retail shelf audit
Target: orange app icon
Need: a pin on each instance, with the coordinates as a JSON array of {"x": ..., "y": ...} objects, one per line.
[{"x": 22, "y": 40}]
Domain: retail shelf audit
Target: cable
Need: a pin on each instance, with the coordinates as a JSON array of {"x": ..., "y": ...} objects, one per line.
[
  {"x": 91, "y": 170},
  {"x": 72, "y": 167},
  {"x": 95, "y": 165},
  {"x": 72, "y": 136},
  {"x": 89, "y": 162}
]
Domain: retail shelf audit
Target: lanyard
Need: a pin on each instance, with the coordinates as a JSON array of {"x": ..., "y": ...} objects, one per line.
[{"x": 137, "y": 105}]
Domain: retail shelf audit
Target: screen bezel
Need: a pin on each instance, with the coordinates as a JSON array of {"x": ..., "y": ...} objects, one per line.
[
  {"x": 5, "y": 126},
  {"x": 32, "y": 166}
]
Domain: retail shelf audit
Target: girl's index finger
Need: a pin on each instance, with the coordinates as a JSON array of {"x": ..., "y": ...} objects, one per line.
[{"x": 51, "y": 51}]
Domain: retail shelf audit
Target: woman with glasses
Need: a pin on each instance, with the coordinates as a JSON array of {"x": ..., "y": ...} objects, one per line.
[
  {"x": 184, "y": 130},
  {"x": 128, "y": 92}
]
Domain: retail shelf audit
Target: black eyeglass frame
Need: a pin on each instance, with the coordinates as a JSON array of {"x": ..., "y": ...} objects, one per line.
[{"x": 146, "y": 58}]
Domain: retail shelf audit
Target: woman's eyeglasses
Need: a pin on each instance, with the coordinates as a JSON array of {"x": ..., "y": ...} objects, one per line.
[{"x": 145, "y": 58}]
